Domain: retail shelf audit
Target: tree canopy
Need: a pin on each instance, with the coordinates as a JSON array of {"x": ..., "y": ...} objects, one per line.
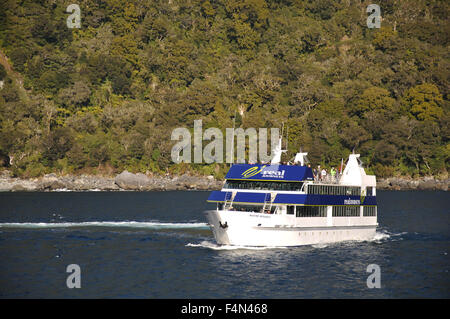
[{"x": 106, "y": 96}]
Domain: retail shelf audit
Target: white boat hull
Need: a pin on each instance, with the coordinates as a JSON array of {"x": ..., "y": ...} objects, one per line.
[{"x": 256, "y": 229}]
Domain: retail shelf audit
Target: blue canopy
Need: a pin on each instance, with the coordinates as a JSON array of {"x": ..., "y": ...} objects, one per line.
[
  {"x": 242, "y": 197},
  {"x": 259, "y": 172}
]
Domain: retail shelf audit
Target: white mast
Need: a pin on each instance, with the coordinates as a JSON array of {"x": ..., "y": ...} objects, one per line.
[
  {"x": 276, "y": 158},
  {"x": 232, "y": 141}
]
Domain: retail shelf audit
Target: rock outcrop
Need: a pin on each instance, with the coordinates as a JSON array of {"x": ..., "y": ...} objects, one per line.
[
  {"x": 143, "y": 182},
  {"x": 139, "y": 181},
  {"x": 425, "y": 183}
]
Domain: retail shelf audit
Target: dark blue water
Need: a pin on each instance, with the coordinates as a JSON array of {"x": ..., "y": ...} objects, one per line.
[{"x": 157, "y": 245}]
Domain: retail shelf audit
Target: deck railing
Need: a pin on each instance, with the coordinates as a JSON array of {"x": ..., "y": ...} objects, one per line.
[{"x": 328, "y": 179}]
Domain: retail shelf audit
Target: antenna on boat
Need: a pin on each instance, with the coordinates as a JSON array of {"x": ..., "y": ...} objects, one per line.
[
  {"x": 287, "y": 138},
  {"x": 232, "y": 141}
]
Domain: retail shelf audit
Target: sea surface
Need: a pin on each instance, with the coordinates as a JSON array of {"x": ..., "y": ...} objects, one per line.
[{"x": 158, "y": 245}]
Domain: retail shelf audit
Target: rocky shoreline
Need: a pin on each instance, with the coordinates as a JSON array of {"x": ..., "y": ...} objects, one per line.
[
  {"x": 127, "y": 181},
  {"x": 124, "y": 181},
  {"x": 424, "y": 183}
]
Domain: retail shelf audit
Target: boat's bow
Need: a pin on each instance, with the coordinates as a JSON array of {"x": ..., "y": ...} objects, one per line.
[{"x": 218, "y": 226}]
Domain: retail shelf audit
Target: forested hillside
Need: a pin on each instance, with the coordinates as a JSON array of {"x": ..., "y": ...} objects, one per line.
[{"x": 105, "y": 97}]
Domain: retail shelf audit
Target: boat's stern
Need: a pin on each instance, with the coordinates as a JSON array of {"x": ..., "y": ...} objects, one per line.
[{"x": 218, "y": 227}]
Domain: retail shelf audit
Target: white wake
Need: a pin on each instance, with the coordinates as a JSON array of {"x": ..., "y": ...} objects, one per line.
[
  {"x": 123, "y": 224},
  {"x": 214, "y": 246},
  {"x": 384, "y": 235}
]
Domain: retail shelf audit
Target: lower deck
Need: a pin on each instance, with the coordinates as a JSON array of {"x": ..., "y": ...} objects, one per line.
[{"x": 259, "y": 229}]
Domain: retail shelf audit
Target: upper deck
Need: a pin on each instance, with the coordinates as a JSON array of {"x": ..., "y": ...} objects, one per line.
[{"x": 295, "y": 185}]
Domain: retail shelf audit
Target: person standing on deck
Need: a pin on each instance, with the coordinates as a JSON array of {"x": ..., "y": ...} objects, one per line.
[
  {"x": 324, "y": 174},
  {"x": 333, "y": 174}
]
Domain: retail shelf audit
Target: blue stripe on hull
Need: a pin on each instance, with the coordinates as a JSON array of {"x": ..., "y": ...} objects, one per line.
[
  {"x": 296, "y": 199},
  {"x": 313, "y": 199}
]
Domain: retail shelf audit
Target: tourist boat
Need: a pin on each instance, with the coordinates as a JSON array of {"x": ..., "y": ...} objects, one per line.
[{"x": 284, "y": 205}]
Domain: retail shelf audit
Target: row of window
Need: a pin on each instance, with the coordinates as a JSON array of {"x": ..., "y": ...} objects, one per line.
[
  {"x": 297, "y": 186},
  {"x": 311, "y": 211},
  {"x": 345, "y": 211},
  {"x": 262, "y": 185},
  {"x": 333, "y": 190},
  {"x": 369, "y": 211},
  {"x": 338, "y": 211}
]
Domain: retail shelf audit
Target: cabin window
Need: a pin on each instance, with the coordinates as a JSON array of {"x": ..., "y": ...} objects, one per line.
[
  {"x": 290, "y": 210},
  {"x": 334, "y": 190},
  {"x": 248, "y": 208},
  {"x": 346, "y": 211},
  {"x": 263, "y": 185},
  {"x": 311, "y": 211},
  {"x": 369, "y": 191},
  {"x": 370, "y": 211}
]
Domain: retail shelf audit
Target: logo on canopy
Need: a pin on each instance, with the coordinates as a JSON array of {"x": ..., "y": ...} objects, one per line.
[{"x": 252, "y": 171}]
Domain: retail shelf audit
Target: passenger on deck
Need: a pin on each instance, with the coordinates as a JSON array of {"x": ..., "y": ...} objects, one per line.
[
  {"x": 333, "y": 174},
  {"x": 324, "y": 174}
]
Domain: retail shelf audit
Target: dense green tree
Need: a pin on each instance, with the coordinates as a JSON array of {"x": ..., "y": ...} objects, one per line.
[
  {"x": 109, "y": 93},
  {"x": 2, "y": 72},
  {"x": 424, "y": 102},
  {"x": 375, "y": 99}
]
